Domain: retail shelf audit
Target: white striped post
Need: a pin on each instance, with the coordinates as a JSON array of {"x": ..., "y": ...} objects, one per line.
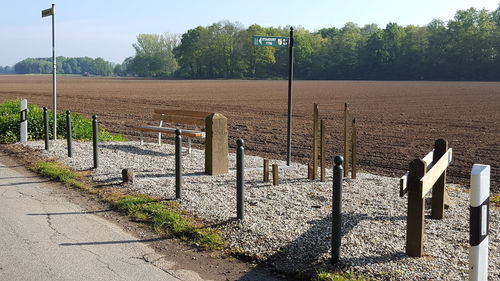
[
  {"x": 479, "y": 222},
  {"x": 24, "y": 120}
]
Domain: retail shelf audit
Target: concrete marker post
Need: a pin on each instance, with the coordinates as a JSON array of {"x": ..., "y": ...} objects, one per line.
[
  {"x": 69, "y": 134},
  {"x": 479, "y": 222},
  {"x": 240, "y": 178},
  {"x": 46, "y": 127},
  {"x": 24, "y": 121},
  {"x": 95, "y": 136},
  {"x": 178, "y": 164},
  {"x": 337, "y": 208}
]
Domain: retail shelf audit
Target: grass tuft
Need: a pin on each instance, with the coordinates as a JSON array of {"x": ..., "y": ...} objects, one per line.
[
  {"x": 496, "y": 199},
  {"x": 167, "y": 220},
  {"x": 338, "y": 276},
  {"x": 58, "y": 172}
]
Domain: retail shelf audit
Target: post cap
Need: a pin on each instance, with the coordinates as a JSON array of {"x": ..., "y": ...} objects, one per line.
[
  {"x": 68, "y": 112},
  {"x": 338, "y": 160},
  {"x": 178, "y": 132},
  {"x": 44, "y": 108},
  {"x": 94, "y": 117},
  {"x": 240, "y": 142}
]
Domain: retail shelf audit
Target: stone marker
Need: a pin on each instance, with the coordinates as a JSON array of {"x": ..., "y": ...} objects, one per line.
[
  {"x": 216, "y": 144},
  {"x": 128, "y": 176}
]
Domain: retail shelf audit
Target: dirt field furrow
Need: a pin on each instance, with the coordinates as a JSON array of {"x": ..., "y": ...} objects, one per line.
[{"x": 397, "y": 121}]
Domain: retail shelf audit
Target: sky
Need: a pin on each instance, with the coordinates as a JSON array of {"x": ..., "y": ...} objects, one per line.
[{"x": 108, "y": 28}]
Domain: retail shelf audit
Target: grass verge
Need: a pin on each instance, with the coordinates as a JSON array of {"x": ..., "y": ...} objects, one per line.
[
  {"x": 339, "y": 276},
  {"x": 164, "y": 217}
]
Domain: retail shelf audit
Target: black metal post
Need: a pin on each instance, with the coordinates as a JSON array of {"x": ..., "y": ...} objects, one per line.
[
  {"x": 95, "y": 139},
  {"x": 337, "y": 208},
  {"x": 240, "y": 178},
  {"x": 290, "y": 82},
  {"x": 46, "y": 127},
  {"x": 178, "y": 164},
  {"x": 69, "y": 134}
]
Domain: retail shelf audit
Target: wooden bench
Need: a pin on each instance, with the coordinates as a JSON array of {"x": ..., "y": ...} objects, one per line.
[{"x": 176, "y": 118}]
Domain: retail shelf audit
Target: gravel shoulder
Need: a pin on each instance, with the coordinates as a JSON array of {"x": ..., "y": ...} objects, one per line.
[{"x": 289, "y": 225}]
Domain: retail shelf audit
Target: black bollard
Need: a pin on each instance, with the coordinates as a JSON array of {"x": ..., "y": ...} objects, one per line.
[
  {"x": 178, "y": 163},
  {"x": 94, "y": 140},
  {"x": 240, "y": 178},
  {"x": 69, "y": 134},
  {"x": 337, "y": 208},
  {"x": 46, "y": 127}
]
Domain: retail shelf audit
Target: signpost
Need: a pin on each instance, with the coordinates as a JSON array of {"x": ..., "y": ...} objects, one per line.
[
  {"x": 46, "y": 13},
  {"x": 275, "y": 41},
  {"x": 278, "y": 41}
]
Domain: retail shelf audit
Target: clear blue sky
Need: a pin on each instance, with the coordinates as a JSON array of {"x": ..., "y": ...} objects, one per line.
[{"x": 108, "y": 28}]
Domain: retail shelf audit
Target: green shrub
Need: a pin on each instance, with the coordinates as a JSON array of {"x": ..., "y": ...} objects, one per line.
[{"x": 81, "y": 126}]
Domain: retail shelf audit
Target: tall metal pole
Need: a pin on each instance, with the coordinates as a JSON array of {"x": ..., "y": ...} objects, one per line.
[
  {"x": 290, "y": 80},
  {"x": 178, "y": 164},
  {"x": 54, "y": 70},
  {"x": 240, "y": 179},
  {"x": 337, "y": 208}
]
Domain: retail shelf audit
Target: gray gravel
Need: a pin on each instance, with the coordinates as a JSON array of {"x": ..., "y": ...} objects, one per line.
[{"x": 289, "y": 225}]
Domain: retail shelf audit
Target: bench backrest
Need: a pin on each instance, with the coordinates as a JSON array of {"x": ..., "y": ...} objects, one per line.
[{"x": 187, "y": 117}]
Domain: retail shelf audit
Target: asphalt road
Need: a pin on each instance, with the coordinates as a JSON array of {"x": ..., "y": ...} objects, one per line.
[{"x": 44, "y": 237}]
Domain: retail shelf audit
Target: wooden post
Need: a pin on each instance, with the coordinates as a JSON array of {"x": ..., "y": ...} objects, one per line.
[
  {"x": 276, "y": 179},
  {"x": 315, "y": 139},
  {"x": 353, "y": 148},
  {"x": 322, "y": 149},
  {"x": 438, "y": 189},
  {"x": 415, "y": 217},
  {"x": 346, "y": 142},
  {"x": 266, "y": 170}
]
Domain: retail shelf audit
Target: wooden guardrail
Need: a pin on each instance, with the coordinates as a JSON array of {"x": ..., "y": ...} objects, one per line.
[{"x": 424, "y": 175}]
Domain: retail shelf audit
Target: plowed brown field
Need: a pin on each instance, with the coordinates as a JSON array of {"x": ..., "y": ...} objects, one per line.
[{"x": 397, "y": 121}]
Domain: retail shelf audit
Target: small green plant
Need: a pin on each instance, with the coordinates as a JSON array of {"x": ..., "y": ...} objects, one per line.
[
  {"x": 338, "y": 276},
  {"x": 81, "y": 126},
  {"x": 496, "y": 199}
]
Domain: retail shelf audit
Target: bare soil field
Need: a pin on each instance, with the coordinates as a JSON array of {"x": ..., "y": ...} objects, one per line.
[{"x": 397, "y": 121}]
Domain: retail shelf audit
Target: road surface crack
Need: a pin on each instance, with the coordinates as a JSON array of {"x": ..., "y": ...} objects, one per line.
[
  {"x": 100, "y": 259},
  {"x": 153, "y": 261}
]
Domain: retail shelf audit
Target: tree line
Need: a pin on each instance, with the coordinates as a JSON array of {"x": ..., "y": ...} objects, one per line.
[
  {"x": 81, "y": 65},
  {"x": 466, "y": 47}
]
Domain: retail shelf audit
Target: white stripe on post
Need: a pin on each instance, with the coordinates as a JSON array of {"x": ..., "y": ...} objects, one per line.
[
  {"x": 24, "y": 120},
  {"x": 479, "y": 221}
]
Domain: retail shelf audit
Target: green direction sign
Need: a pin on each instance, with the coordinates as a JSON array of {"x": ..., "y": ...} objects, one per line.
[
  {"x": 47, "y": 12},
  {"x": 275, "y": 41}
]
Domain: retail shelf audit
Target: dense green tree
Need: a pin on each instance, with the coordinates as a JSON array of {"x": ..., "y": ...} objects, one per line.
[{"x": 154, "y": 56}]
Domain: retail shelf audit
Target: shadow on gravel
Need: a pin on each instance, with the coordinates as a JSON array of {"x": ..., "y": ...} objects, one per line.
[
  {"x": 135, "y": 150},
  {"x": 311, "y": 251}
]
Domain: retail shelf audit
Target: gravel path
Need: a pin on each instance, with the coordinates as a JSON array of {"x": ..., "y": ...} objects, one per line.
[{"x": 289, "y": 225}]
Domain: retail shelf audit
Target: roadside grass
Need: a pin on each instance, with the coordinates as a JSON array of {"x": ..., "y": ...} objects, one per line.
[
  {"x": 165, "y": 217},
  {"x": 339, "y": 276},
  {"x": 58, "y": 172}
]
